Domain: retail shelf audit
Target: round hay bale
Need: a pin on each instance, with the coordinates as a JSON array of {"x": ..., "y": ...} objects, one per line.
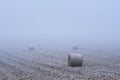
[
  {"x": 75, "y": 48},
  {"x": 75, "y": 60},
  {"x": 30, "y": 48}
]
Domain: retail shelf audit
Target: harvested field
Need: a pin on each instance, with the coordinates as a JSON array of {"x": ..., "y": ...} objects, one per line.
[{"x": 51, "y": 64}]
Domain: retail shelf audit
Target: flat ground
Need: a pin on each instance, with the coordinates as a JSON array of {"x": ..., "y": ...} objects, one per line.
[{"x": 51, "y": 64}]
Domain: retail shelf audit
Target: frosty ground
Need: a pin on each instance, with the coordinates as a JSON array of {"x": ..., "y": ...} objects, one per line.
[{"x": 51, "y": 64}]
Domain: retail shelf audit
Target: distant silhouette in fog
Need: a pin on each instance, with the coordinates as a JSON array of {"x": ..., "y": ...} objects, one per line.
[{"x": 31, "y": 48}]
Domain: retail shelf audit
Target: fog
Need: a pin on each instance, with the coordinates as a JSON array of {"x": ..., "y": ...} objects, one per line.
[{"x": 84, "y": 23}]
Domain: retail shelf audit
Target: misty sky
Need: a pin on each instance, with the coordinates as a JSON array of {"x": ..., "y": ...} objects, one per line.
[{"x": 92, "y": 22}]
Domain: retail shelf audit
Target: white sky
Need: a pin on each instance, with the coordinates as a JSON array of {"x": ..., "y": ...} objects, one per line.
[{"x": 86, "y": 22}]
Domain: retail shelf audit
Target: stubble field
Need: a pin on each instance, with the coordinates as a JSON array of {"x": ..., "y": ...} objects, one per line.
[{"x": 51, "y": 64}]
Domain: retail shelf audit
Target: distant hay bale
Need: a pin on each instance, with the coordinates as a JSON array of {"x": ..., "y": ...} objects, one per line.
[
  {"x": 30, "y": 48},
  {"x": 75, "y": 60},
  {"x": 75, "y": 48}
]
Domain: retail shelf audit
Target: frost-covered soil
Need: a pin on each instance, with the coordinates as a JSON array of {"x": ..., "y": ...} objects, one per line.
[{"x": 51, "y": 64}]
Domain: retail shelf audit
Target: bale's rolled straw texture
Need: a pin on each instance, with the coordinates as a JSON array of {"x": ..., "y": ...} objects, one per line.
[{"x": 75, "y": 60}]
